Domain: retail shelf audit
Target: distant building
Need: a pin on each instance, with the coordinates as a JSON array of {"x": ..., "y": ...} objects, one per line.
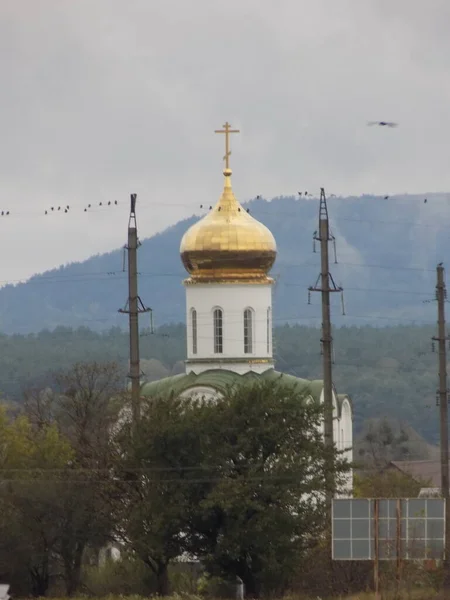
[{"x": 427, "y": 472}]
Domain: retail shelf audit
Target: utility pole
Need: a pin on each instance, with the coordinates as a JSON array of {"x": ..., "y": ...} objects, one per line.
[
  {"x": 441, "y": 296},
  {"x": 326, "y": 285},
  {"x": 133, "y": 307}
]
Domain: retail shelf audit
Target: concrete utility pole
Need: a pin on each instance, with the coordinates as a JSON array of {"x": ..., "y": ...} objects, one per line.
[
  {"x": 325, "y": 285},
  {"x": 441, "y": 296},
  {"x": 133, "y": 307}
]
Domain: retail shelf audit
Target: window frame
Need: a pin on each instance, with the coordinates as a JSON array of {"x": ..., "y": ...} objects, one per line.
[
  {"x": 248, "y": 330},
  {"x": 218, "y": 330},
  {"x": 194, "y": 331}
]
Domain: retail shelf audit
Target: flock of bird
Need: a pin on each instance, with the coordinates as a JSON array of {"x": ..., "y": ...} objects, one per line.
[
  {"x": 67, "y": 207},
  {"x": 305, "y": 194},
  {"x": 210, "y": 207}
]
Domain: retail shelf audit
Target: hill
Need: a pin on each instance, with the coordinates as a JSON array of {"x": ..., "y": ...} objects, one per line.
[{"x": 387, "y": 252}]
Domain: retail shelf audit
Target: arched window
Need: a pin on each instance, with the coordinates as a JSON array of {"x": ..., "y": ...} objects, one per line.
[
  {"x": 268, "y": 332},
  {"x": 248, "y": 331},
  {"x": 194, "y": 330},
  {"x": 218, "y": 330}
]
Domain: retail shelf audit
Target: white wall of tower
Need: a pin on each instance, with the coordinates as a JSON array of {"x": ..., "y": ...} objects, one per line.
[{"x": 242, "y": 350}]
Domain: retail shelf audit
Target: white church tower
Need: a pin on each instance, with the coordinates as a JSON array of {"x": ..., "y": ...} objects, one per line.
[{"x": 228, "y": 255}]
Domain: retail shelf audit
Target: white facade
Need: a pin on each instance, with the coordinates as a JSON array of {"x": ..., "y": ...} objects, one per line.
[
  {"x": 229, "y": 326},
  {"x": 346, "y": 430},
  {"x": 201, "y": 392},
  {"x": 342, "y": 436},
  {"x": 344, "y": 440}
]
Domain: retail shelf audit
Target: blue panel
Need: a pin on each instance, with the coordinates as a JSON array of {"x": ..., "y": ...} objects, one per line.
[
  {"x": 361, "y": 550},
  {"x": 416, "y": 508},
  {"x": 360, "y": 529},
  {"x": 342, "y": 550},
  {"x": 435, "y": 508},
  {"x": 422, "y": 527},
  {"x": 360, "y": 508},
  {"x": 342, "y": 529},
  {"x": 341, "y": 509},
  {"x": 435, "y": 529}
]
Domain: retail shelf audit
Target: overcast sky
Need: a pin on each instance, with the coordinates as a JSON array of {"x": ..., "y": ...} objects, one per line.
[{"x": 101, "y": 98}]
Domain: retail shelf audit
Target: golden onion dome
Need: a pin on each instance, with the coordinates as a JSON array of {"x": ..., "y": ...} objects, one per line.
[{"x": 228, "y": 244}]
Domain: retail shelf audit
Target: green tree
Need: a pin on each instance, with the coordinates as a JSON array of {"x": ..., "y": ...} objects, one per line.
[
  {"x": 266, "y": 505},
  {"x": 162, "y": 482},
  {"x": 84, "y": 404},
  {"x": 31, "y": 464},
  {"x": 387, "y": 484}
]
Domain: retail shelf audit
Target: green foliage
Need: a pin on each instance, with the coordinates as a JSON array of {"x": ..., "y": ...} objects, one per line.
[
  {"x": 404, "y": 391},
  {"x": 387, "y": 371},
  {"x": 386, "y": 484},
  {"x": 237, "y": 482},
  {"x": 127, "y": 576},
  {"x": 57, "y": 491},
  {"x": 29, "y": 460},
  {"x": 156, "y": 507},
  {"x": 384, "y": 440},
  {"x": 31, "y": 361},
  {"x": 267, "y": 505}
]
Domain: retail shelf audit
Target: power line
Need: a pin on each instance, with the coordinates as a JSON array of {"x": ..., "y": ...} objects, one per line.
[
  {"x": 360, "y": 289},
  {"x": 114, "y": 275},
  {"x": 113, "y": 204}
]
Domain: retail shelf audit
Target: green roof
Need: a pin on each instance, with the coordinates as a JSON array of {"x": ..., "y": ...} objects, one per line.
[{"x": 222, "y": 379}]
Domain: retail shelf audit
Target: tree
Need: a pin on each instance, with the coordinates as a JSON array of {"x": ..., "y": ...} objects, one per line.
[
  {"x": 266, "y": 506},
  {"x": 387, "y": 484},
  {"x": 238, "y": 482},
  {"x": 161, "y": 482},
  {"x": 384, "y": 440},
  {"x": 386, "y": 371},
  {"x": 31, "y": 462},
  {"x": 154, "y": 369},
  {"x": 84, "y": 404}
]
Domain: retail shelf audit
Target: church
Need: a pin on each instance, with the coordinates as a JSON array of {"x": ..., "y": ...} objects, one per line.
[{"x": 228, "y": 256}]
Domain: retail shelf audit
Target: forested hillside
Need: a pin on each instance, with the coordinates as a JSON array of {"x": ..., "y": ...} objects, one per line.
[
  {"x": 388, "y": 372},
  {"x": 387, "y": 252}
]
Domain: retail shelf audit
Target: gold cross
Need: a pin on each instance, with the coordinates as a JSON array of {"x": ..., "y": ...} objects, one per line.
[{"x": 227, "y": 130}]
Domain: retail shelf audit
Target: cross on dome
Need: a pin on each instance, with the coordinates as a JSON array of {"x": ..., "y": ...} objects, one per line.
[
  {"x": 227, "y": 130},
  {"x": 228, "y": 244}
]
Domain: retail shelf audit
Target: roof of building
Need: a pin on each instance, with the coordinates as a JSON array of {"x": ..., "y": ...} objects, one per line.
[
  {"x": 424, "y": 470},
  {"x": 228, "y": 244},
  {"x": 223, "y": 379}
]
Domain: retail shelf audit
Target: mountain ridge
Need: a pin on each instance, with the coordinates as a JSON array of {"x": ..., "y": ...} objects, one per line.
[{"x": 386, "y": 249}]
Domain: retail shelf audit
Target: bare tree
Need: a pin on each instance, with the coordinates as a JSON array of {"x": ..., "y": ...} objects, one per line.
[{"x": 84, "y": 402}]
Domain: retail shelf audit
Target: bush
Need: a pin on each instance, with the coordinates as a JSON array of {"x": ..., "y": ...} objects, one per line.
[
  {"x": 184, "y": 578},
  {"x": 128, "y": 576}
]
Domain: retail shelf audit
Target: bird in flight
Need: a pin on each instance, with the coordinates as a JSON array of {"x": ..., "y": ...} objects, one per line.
[{"x": 382, "y": 123}]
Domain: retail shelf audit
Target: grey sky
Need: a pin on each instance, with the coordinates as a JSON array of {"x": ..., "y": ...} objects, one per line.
[{"x": 101, "y": 98}]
